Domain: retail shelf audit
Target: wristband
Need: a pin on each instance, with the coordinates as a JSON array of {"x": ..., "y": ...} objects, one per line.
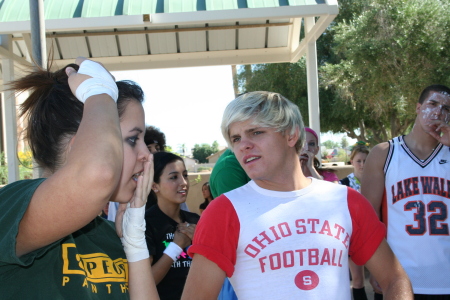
[
  {"x": 133, "y": 231},
  {"x": 173, "y": 251},
  {"x": 101, "y": 82}
]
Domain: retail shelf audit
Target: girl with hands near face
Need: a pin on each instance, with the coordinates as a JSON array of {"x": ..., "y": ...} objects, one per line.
[
  {"x": 86, "y": 131},
  {"x": 310, "y": 164},
  {"x": 170, "y": 230}
]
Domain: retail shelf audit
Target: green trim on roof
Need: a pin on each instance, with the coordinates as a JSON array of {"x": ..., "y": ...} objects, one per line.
[
  {"x": 104, "y": 8},
  {"x": 175, "y": 6},
  {"x": 220, "y": 5},
  {"x": 19, "y": 10},
  {"x": 14, "y": 11},
  {"x": 63, "y": 9},
  {"x": 134, "y": 7},
  {"x": 262, "y": 3}
]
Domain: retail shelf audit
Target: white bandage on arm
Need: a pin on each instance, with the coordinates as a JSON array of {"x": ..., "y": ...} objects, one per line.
[
  {"x": 101, "y": 82},
  {"x": 133, "y": 231},
  {"x": 173, "y": 251}
]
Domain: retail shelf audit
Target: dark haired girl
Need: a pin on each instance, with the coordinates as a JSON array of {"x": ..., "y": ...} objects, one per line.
[
  {"x": 170, "y": 229},
  {"x": 206, "y": 191},
  {"x": 53, "y": 244}
]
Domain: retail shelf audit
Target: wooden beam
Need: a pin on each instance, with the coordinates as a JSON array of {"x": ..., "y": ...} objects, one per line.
[
  {"x": 16, "y": 58},
  {"x": 149, "y": 31}
]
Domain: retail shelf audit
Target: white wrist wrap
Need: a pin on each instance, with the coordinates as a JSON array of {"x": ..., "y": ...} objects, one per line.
[
  {"x": 101, "y": 82},
  {"x": 173, "y": 251},
  {"x": 133, "y": 231}
]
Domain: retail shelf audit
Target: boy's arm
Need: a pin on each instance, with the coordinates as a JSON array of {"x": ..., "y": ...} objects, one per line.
[
  {"x": 372, "y": 183},
  {"x": 204, "y": 280},
  {"x": 389, "y": 273}
]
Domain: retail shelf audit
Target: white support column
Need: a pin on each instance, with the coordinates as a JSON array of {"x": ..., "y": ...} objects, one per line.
[
  {"x": 9, "y": 113},
  {"x": 39, "y": 49},
  {"x": 312, "y": 80}
]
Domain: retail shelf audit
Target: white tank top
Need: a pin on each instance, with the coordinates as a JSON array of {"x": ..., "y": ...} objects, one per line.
[{"x": 415, "y": 210}]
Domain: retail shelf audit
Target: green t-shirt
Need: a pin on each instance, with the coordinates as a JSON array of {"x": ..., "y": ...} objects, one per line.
[
  {"x": 88, "y": 264},
  {"x": 227, "y": 174}
]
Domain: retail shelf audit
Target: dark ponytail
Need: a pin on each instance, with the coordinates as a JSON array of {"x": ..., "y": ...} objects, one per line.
[{"x": 52, "y": 113}]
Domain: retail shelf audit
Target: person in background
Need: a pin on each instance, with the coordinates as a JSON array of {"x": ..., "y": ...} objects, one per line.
[
  {"x": 155, "y": 139},
  {"x": 206, "y": 195},
  {"x": 275, "y": 236},
  {"x": 353, "y": 180},
  {"x": 170, "y": 229},
  {"x": 310, "y": 164},
  {"x": 357, "y": 160},
  {"x": 407, "y": 181},
  {"x": 54, "y": 244}
]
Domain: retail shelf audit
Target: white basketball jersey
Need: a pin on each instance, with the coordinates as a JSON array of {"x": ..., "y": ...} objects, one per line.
[{"x": 415, "y": 210}]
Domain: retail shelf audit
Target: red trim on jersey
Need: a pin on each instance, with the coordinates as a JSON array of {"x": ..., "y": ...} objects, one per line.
[
  {"x": 384, "y": 210},
  {"x": 364, "y": 221},
  {"x": 209, "y": 238}
]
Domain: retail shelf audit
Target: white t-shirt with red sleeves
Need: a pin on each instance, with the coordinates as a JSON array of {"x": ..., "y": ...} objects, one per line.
[{"x": 289, "y": 245}]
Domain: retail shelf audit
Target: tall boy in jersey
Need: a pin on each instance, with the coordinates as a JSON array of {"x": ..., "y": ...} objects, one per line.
[
  {"x": 407, "y": 180},
  {"x": 282, "y": 235}
]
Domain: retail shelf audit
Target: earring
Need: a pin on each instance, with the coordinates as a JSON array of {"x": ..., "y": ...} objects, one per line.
[{"x": 155, "y": 191}]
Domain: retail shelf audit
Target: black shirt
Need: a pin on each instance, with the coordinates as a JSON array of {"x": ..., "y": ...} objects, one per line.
[{"x": 159, "y": 233}]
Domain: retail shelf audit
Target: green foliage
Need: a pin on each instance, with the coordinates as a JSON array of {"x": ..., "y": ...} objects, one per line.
[
  {"x": 344, "y": 142},
  {"x": 201, "y": 169},
  {"x": 285, "y": 78},
  {"x": 3, "y": 169},
  {"x": 390, "y": 52},
  {"x": 25, "y": 167},
  {"x": 197, "y": 180},
  {"x": 341, "y": 155},
  {"x": 374, "y": 60},
  {"x": 168, "y": 149},
  {"x": 201, "y": 152},
  {"x": 330, "y": 144}
]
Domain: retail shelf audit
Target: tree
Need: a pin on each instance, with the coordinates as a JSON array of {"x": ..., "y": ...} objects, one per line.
[
  {"x": 389, "y": 54},
  {"x": 168, "y": 148},
  {"x": 330, "y": 144},
  {"x": 201, "y": 152},
  {"x": 373, "y": 62},
  {"x": 344, "y": 142}
]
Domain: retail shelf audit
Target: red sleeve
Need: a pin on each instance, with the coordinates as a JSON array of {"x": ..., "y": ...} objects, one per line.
[
  {"x": 368, "y": 230},
  {"x": 217, "y": 234}
]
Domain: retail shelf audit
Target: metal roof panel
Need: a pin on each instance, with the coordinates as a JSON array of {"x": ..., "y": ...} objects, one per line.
[
  {"x": 137, "y": 7},
  {"x": 222, "y": 39},
  {"x": 220, "y": 5},
  {"x": 14, "y": 11},
  {"x": 133, "y": 44},
  {"x": 192, "y": 41},
  {"x": 104, "y": 8},
  {"x": 278, "y": 36},
  {"x": 262, "y": 3},
  {"x": 62, "y": 9},
  {"x": 252, "y": 38},
  {"x": 103, "y": 46},
  {"x": 163, "y": 43},
  {"x": 173, "y": 6},
  {"x": 73, "y": 47}
]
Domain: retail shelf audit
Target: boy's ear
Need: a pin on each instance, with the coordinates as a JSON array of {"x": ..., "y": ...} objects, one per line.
[
  {"x": 418, "y": 105},
  {"x": 293, "y": 138}
]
